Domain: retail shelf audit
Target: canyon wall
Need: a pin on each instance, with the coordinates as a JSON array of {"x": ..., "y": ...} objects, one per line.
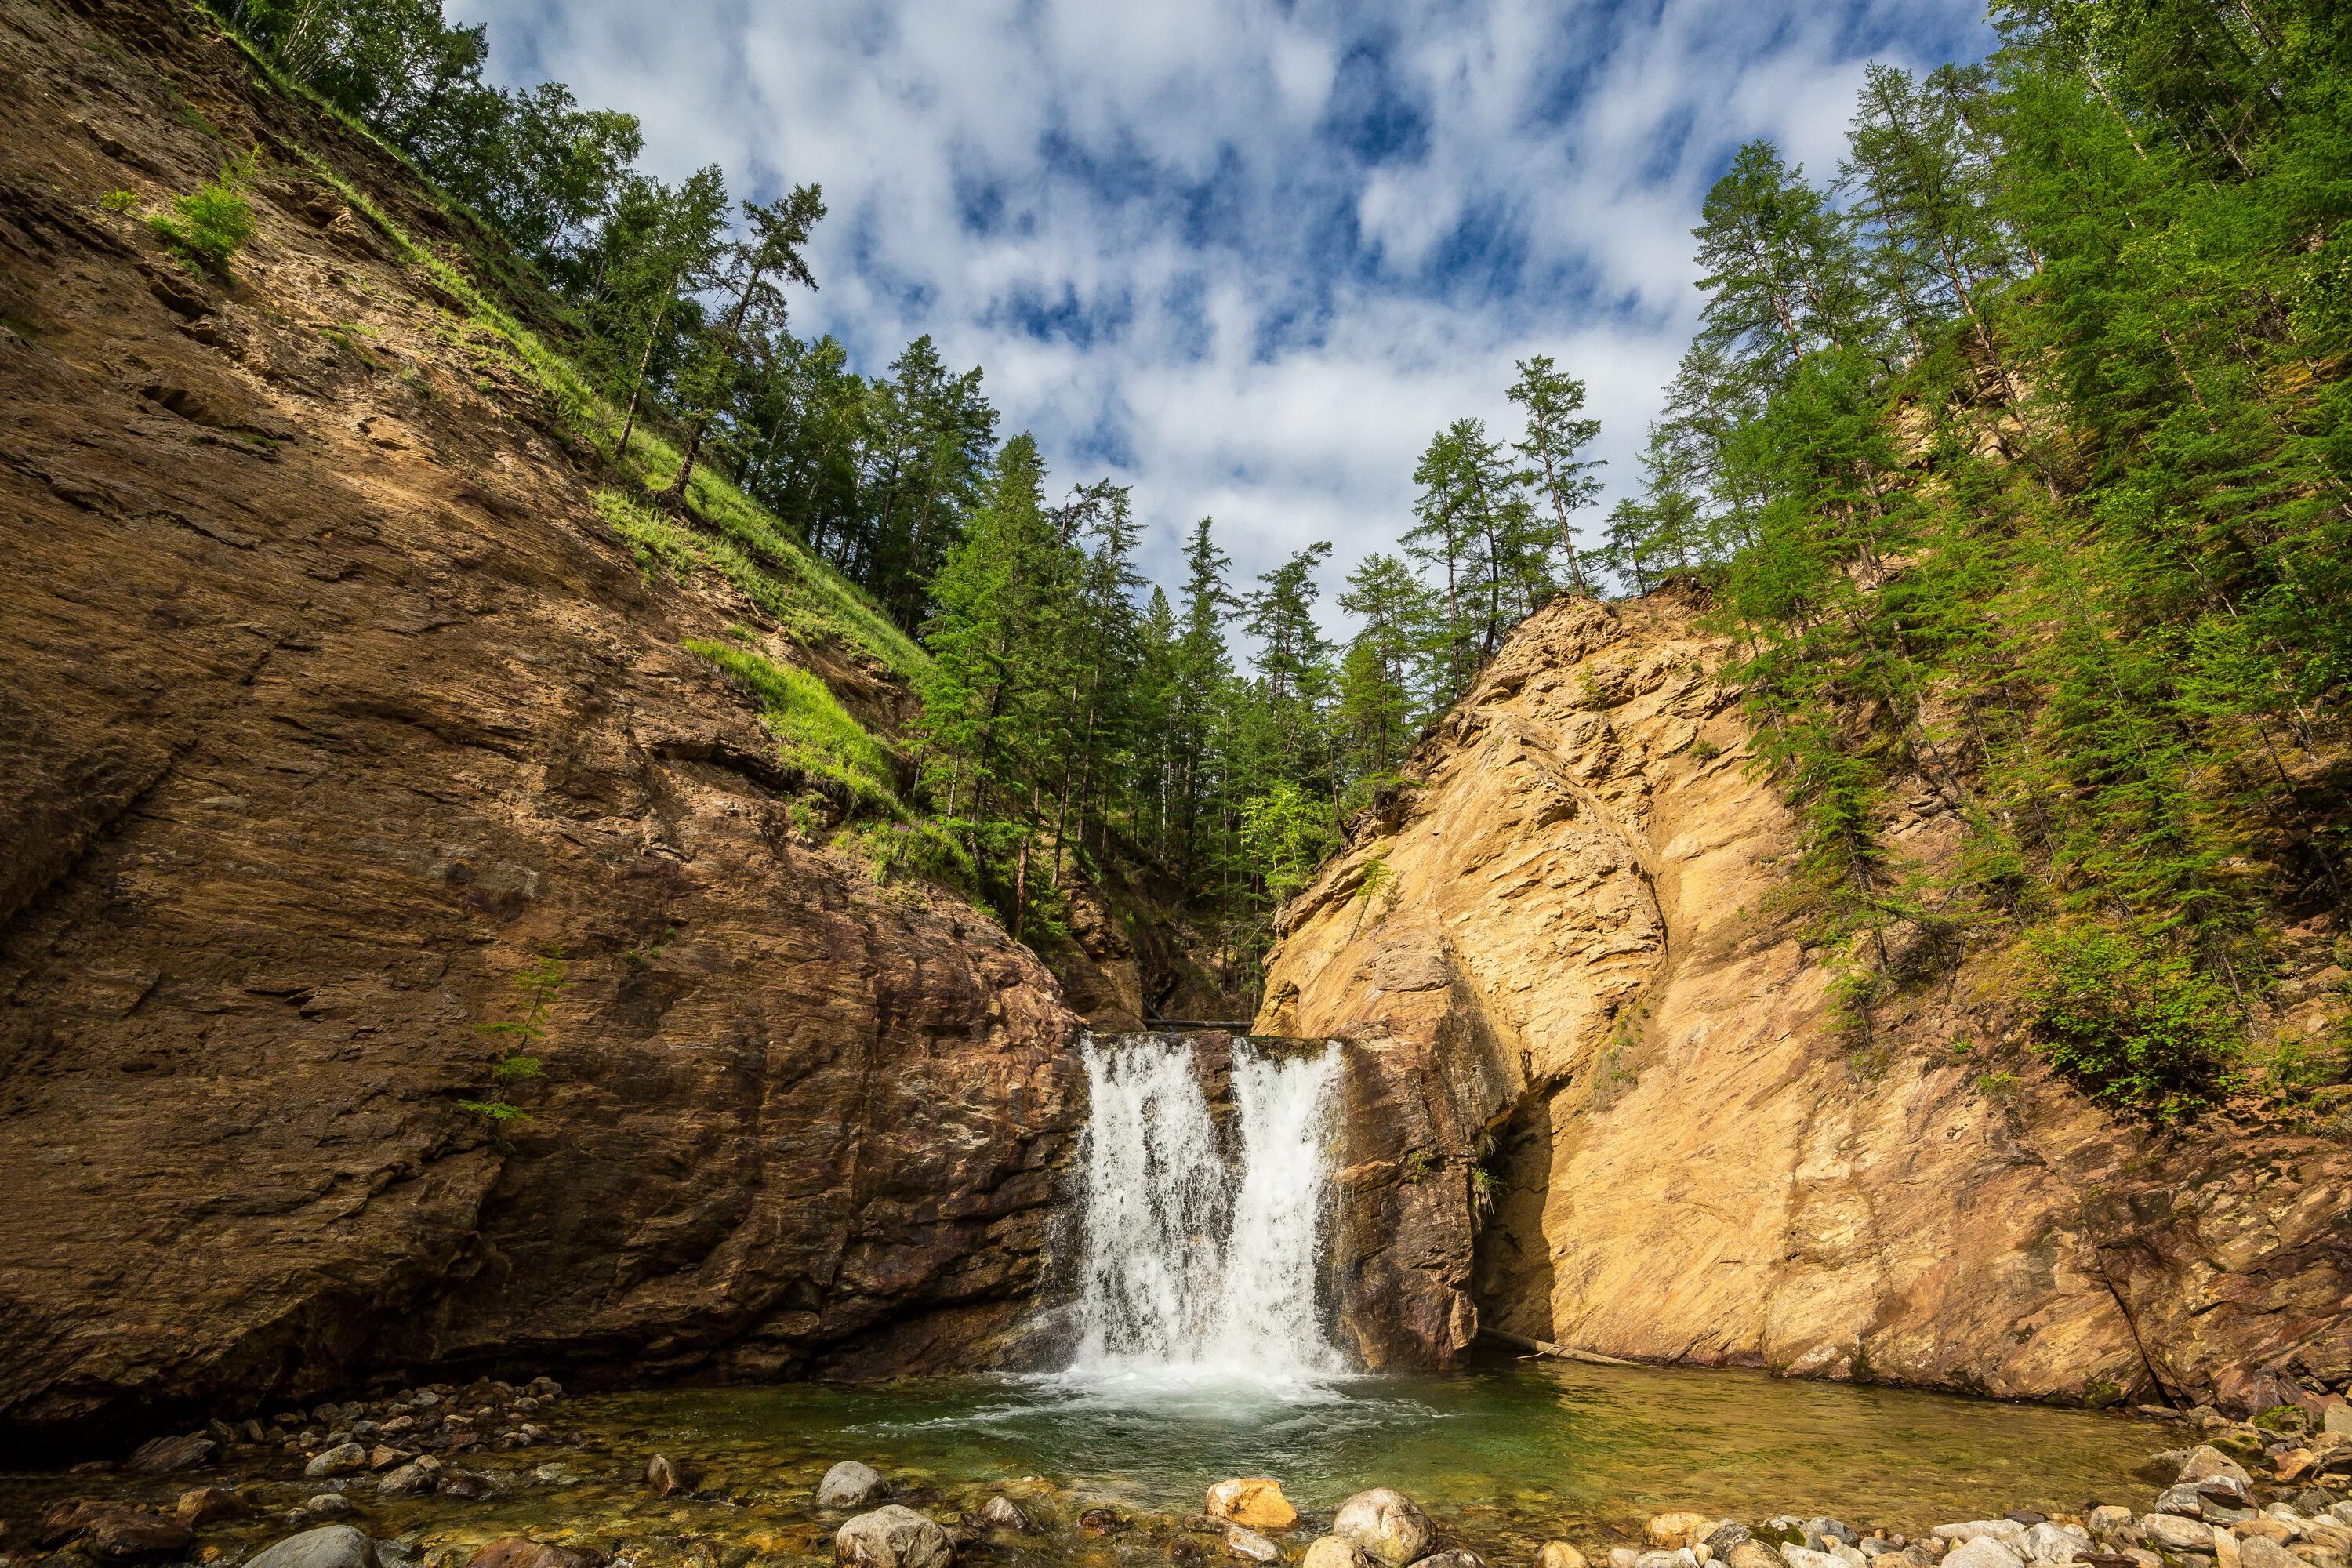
[
  {"x": 1600, "y": 1097},
  {"x": 329, "y": 706}
]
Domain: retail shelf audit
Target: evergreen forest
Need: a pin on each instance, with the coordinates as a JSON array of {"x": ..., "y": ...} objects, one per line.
[{"x": 2011, "y": 455}]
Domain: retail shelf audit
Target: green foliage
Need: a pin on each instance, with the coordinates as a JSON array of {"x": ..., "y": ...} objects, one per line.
[
  {"x": 212, "y": 223},
  {"x": 2131, "y": 1020},
  {"x": 923, "y": 850},
  {"x": 815, "y": 736},
  {"x": 537, "y": 984},
  {"x": 118, "y": 201},
  {"x": 1289, "y": 832}
]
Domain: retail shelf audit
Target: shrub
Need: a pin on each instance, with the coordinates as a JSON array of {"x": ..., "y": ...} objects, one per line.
[
  {"x": 920, "y": 849},
  {"x": 2131, "y": 1020},
  {"x": 118, "y": 201},
  {"x": 212, "y": 225}
]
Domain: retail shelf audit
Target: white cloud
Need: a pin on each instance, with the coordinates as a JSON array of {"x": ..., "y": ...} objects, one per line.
[{"x": 1281, "y": 315}]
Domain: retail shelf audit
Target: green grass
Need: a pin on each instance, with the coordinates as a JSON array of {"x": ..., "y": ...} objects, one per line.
[{"x": 814, "y": 734}]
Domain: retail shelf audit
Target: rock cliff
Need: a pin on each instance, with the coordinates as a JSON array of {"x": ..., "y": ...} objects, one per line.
[
  {"x": 329, "y": 706},
  {"x": 1600, "y": 1097}
]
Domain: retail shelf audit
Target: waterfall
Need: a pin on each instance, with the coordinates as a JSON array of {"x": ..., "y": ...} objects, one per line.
[{"x": 1195, "y": 1270}]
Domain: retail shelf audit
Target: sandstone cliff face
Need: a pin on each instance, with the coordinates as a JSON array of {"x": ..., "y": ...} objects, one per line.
[
  {"x": 327, "y": 705},
  {"x": 1576, "y": 1013}
]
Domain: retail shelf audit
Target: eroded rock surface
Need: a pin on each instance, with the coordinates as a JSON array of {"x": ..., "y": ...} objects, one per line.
[
  {"x": 327, "y": 705},
  {"x": 1577, "y": 1010}
]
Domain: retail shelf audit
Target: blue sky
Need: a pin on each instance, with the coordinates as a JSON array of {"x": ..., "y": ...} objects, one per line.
[{"x": 1247, "y": 258}]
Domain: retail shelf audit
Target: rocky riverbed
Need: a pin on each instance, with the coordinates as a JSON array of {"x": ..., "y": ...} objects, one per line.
[{"x": 493, "y": 1475}]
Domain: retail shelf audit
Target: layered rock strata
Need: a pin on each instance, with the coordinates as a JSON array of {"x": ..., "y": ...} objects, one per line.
[
  {"x": 330, "y": 707},
  {"x": 1600, "y": 1097}
]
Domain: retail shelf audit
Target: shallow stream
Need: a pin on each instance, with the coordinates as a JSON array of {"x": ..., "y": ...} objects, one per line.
[{"x": 1502, "y": 1456}]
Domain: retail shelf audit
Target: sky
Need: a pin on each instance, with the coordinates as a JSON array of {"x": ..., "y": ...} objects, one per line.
[{"x": 1245, "y": 258}]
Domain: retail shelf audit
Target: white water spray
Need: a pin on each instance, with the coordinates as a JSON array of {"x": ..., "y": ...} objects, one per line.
[{"x": 1195, "y": 1273}]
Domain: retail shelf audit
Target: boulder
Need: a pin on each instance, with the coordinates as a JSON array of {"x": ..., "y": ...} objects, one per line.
[
  {"x": 851, "y": 1485},
  {"x": 161, "y": 1456},
  {"x": 1835, "y": 1530},
  {"x": 1385, "y": 1526},
  {"x": 1550, "y": 1555},
  {"x": 522, "y": 1551},
  {"x": 201, "y": 1505},
  {"x": 2338, "y": 1419},
  {"x": 1751, "y": 1554},
  {"x": 2170, "y": 1532},
  {"x": 1254, "y": 1502},
  {"x": 1984, "y": 1552},
  {"x": 666, "y": 1476},
  {"x": 327, "y": 1505},
  {"x": 892, "y": 1537},
  {"x": 340, "y": 1460},
  {"x": 1726, "y": 1535},
  {"x": 1001, "y": 1512},
  {"x": 1667, "y": 1531},
  {"x": 1331, "y": 1552},
  {"x": 2205, "y": 1461},
  {"x": 330, "y": 1546},
  {"x": 2108, "y": 1519},
  {"x": 1250, "y": 1546}
]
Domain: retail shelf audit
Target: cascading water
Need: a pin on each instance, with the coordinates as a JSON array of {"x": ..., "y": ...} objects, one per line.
[{"x": 1196, "y": 1272}]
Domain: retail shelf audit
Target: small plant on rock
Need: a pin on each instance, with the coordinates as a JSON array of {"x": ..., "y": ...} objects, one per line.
[
  {"x": 539, "y": 983},
  {"x": 211, "y": 224},
  {"x": 2132, "y": 1021}
]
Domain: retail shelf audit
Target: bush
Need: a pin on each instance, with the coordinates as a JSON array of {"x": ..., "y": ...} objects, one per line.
[
  {"x": 213, "y": 224},
  {"x": 2132, "y": 1021}
]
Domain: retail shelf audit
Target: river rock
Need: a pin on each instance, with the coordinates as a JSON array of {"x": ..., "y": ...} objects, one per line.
[
  {"x": 113, "y": 1533},
  {"x": 2106, "y": 1519},
  {"x": 1248, "y": 1544},
  {"x": 522, "y": 1551},
  {"x": 1984, "y": 1552},
  {"x": 892, "y": 1536},
  {"x": 668, "y": 1479},
  {"x": 201, "y": 1505},
  {"x": 2006, "y": 1530},
  {"x": 851, "y": 1485},
  {"x": 1385, "y": 1526},
  {"x": 1253, "y": 1501},
  {"x": 330, "y": 1546},
  {"x": 1751, "y": 1554},
  {"x": 340, "y": 1459},
  {"x": 327, "y": 1505},
  {"x": 2205, "y": 1461},
  {"x": 1727, "y": 1534},
  {"x": 1458, "y": 1557},
  {"x": 2173, "y": 1533},
  {"x": 1331, "y": 1552},
  {"x": 1002, "y": 1512},
  {"x": 1550, "y": 1555},
  {"x": 1835, "y": 1530},
  {"x": 1807, "y": 1557},
  {"x": 2054, "y": 1543},
  {"x": 161, "y": 1456},
  {"x": 1668, "y": 1530},
  {"x": 2260, "y": 1552}
]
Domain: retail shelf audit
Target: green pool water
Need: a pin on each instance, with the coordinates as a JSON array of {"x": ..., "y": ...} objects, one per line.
[
  {"x": 1503, "y": 1456},
  {"x": 1515, "y": 1447}
]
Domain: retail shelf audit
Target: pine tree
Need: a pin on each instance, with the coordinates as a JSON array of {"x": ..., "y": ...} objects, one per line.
[{"x": 1552, "y": 446}]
